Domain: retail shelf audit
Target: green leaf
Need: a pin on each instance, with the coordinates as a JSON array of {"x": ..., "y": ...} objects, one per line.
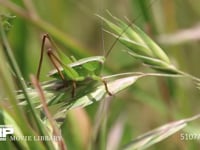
[
  {"x": 136, "y": 47},
  {"x": 153, "y": 62},
  {"x": 133, "y": 45}
]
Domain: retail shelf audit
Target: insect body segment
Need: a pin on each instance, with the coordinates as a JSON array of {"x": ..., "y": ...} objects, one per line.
[{"x": 86, "y": 67}]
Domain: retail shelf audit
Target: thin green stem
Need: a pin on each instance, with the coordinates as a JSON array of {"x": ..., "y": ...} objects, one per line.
[
  {"x": 141, "y": 74},
  {"x": 188, "y": 75},
  {"x": 23, "y": 85}
]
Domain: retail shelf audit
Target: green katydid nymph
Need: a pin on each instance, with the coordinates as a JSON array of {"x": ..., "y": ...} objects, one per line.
[{"x": 72, "y": 72}]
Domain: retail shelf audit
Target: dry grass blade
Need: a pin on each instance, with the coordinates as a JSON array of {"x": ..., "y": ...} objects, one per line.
[
  {"x": 181, "y": 36},
  {"x": 116, "y": 133},
  {"x": 100, "y": 93},
  {"x": 56, "y": 131},
  {"x": 60, "y": 101},
  {"x": 146, "y": 140}
]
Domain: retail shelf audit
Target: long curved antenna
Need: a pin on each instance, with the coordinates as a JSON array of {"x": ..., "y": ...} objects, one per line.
[{"x": 129, "y": 25}]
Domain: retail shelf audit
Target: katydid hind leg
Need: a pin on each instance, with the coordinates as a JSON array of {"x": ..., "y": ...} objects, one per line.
[
  {"x": 41, "y": 56},
  {"x": 52, "y": 58},
  {"x": 50, "y": 54},
  {"x": 55, "y": 61}
]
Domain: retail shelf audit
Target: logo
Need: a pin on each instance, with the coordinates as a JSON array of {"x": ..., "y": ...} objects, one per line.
[{"x": 4, "y": 131}]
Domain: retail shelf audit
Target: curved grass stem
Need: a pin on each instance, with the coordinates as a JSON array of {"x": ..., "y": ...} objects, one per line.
[{"x": 188, "y": 75}]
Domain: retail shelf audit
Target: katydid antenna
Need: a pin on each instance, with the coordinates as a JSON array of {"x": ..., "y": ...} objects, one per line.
[{"x": 129, "y": 25}]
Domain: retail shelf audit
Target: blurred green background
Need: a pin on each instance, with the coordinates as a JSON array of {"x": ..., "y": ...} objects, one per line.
[{"x": 152, "y": 101}]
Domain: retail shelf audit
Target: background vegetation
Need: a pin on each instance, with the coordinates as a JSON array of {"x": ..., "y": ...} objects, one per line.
[{"x": 151, "y": 102}]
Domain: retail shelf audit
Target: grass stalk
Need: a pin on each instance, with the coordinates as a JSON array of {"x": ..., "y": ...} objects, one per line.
[
  {"x": 23, "y": 85},
  {"x": 56, "y": 131}
]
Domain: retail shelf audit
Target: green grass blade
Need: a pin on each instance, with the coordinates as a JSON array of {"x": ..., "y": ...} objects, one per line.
[
  {"x": 131, "y": 34},
  {"x": 21, "y": 121},
  {"x": 157, "y": 51},
  {"x": 138, "y": 48},
  {"x": 153, "y": 62}
]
